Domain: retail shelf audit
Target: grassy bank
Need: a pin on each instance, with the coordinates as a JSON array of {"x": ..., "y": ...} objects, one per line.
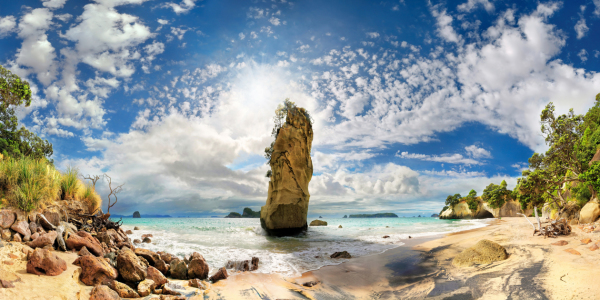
[{"x": 28, "y": 184}]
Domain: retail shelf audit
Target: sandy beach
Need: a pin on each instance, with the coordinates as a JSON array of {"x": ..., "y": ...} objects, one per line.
[{"x": 420, "y": 269}]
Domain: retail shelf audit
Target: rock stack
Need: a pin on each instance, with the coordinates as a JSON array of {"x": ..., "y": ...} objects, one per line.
[{"x": 291, "y": 171}]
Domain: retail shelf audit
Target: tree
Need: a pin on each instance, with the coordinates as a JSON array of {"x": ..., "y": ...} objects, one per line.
[
  {"x": 495, "y": 195},
  {"x": 13, "y": 90},
  {"x": 17, "y": 141},
  {"x": 472, "y": 200},
  {"x": 93, "y": 179},
  {"x": 452, "y": 200},
  {"x": 113, "y": 192}
]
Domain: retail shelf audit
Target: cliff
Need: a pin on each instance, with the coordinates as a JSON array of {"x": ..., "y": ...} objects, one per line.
[
  {"x": 461, "y": 210},
  {"x": 291, "y": 170}
]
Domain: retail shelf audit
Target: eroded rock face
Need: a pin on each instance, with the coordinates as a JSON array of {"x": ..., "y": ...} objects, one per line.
[
  {"x": 220, "y": 275},
  {"x": 102, "y": 292},
  {"x": 95, "y": 270},
  {"x": 130, "y": 266},
  {"x": 44, "y": 262},
  {"x": 292, "y": 169}
]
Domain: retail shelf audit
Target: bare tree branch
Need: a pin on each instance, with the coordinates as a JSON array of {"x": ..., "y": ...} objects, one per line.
[
  {"x": 93, "y": 179},
  {"x": 113, "y": 192}
]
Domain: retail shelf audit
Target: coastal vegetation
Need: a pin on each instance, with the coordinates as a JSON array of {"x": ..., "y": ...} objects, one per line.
[
  {"x": 380, "y": 215},
  {"x": 565, "y": 178},
  {"x": 28, "y": 177}
]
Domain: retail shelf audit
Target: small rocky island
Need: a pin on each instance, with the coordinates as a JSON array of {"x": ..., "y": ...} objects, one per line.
[
  {"x": 137, "y": 214},
  {"x": 291, "y": 170},
  {"x": 247, "y": 213},
  {"x": 381, "y": 215}
]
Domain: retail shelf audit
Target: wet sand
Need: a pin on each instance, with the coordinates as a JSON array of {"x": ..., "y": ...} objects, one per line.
[{"x": 420, "y": 269}]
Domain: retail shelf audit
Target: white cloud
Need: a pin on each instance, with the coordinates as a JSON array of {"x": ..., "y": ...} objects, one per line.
[
  {"x": 242, "y": 36},
  {"x": 274, "y": 21},
  {"x": 444, "y": 158},
  {"x": 7, "y": 25},
  {"x": 581, "y": 28},
  {"x": 470, "y": 5},
  {"x": 597, "y": 5},
  {"x": 183, "y": 7},
  {"x": 477, "y": 152},
  {"x": 444, "y": 24},
  {"x": 178, "y": 32},
  {"x": 53, "y": 4},
  {"x": 372, "y": 34},
  {"x": 36, "y": 52},
  {"x": 583, "y": 55},
  {"x": 64, "y": 17}
]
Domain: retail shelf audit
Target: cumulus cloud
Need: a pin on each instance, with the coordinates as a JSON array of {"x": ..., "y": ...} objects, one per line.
[
  {"x": 275, "y": 21},
  {"x": 53, "y": 4},
  {"x": 477, "y": 152},
  {"x": 36, "y": 52},
  {"x": 581, "y": 28},
  {"x": 7, "y": 25},
  {"x": 183, "y": 7},
  {"x": 444, "y": 25},
  {"x": 470, "y": 5}
]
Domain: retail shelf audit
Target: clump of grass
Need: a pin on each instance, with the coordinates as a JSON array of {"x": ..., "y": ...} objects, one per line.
[
  {"x": 88, "y": 196},
  {"x": 70, "y": 184},
  {"x": 27, "y": 182}
]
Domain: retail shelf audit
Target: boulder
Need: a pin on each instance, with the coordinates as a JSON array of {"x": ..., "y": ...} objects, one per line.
[
  {"x": 343, "y": 254},
  {"x": 84, "y": 251},
  {"x": 340, "y": 226},
  {"x": 22, "y": 227},
  {"x": 145, "y": 287},
  {"x": 5, "y": 234},
  {"x": 43, "y": 262},
  {"x": 150, "y": 256},
  {"x": 136, "y": 228},
  {"x": 162, "y": 266},
  {"x": 484, "y": 252},
  {"x": 220, "y": 275},
  {"x": 112, "y": 258},
  {"x": 243, "y": 265},
  {"x": 95, "y": 270},
  {"x": 156, "y": 276},
  {"x": 17, "y": 238},
  {"x": 590, "y": 212},
  {"x": 291, "y": 168},
  {"x": 167, "y": 257},
  {"x": 7, "y": 218},
  {"x": 197, "y": 284},
  {"x": 146, "y": 240},
  {"x": 53, "y": 217},
  {"x": 171, "y": 288},
  {"x": 82, "y": 238},
  {"x": 102, "y": 292},
  {"x": 318, "y": 223},
  {"x": 43, "y": 240},
  {"x": 130, "y": 267},
  {"x": 147, "y": 235},
  {"x": 198, "y": 267},
  {"x": 33, "y": 227},
  {"x": 123, "y": 290},
  {"x": 129, "y": 232},
  {"x": 178, "y": 269},
  {"x": 136, "y": 241},
  {"x": 35, "y": 236}
]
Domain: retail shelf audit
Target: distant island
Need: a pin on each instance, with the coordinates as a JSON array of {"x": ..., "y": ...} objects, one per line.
[
  {"x": 382, "y": 215},
  {"x": 136, "y": 214},
  {"x": 435, "y": 216},
  {"x": 145, "y": 216},
  {"x": 345, "y": 216},
  {"x": 247, "y": 213}
]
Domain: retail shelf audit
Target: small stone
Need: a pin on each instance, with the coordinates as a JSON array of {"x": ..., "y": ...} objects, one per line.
[
  {"x": 573, "y": 251},
  {"x": 171, "y": 297},
  {"x": 84, "y": 251},
  {"x": 343, "y": 254},
  {"x": 128, "y": 232},
  {"x": 560, "y": 243},
  {"x": 586, "y": 241},
  {"x": 123, "y": 290},
  {"x": 220, "y": 275},
  {"x": 17, "y": 238},
  {"x": 5, "y": 234},
  {"x": 12, "y": 256},
  {"x": 310, "y": 283},
  {"x": 593, "y": 247},
  {"x": 340, "y": 226},
  {"x": 197, "y": 283},
  {"x": 386, "y": 236},
  {"x": 146, "y": 240},
  {"x": 8, "y": 262},
  {"x": 136, "y": 228},
  {"x": 147, "y": 235},
  {"x": 136, "y": 241},
  {"x": 171, "y": 288}
]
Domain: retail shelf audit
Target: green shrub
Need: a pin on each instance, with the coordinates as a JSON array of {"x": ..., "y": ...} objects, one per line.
[
  {"x": 26, "y": 183},
  {"x": 90, "y": 198}
]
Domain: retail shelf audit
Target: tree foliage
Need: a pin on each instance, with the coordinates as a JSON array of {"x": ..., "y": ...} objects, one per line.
[
  {"x": 15, "y": 140},
  {"x": 472, "y": 200},
  {"x": 452, "y": 200},
  {"x": 495, "y": 195}
]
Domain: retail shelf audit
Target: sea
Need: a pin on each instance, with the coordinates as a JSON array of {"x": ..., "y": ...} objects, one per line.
[{"x": 222, "y": 239}]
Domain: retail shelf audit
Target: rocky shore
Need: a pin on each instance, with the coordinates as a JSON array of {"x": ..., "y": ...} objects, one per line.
[{"x": 72, "y": 255}]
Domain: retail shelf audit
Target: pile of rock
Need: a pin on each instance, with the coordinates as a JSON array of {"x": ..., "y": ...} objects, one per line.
[{"x": 107, "y": 257}]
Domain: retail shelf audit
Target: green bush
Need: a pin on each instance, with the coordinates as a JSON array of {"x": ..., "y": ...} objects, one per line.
[
  {"x": 27, "y": 182},
  {"x": 69, "y": 185},
  {"x": 495, "y": 195}
]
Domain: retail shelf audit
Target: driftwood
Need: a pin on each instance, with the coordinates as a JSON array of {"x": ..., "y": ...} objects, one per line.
[
  {"x": 554, "y": 229},
  {"x": 97, "y": 222}
]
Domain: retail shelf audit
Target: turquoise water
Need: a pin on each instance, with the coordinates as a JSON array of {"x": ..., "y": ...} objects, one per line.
[{"x": 220, "y": 239}]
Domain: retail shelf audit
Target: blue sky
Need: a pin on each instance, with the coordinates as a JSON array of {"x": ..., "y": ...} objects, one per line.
[{"x": 411, "y": 100}]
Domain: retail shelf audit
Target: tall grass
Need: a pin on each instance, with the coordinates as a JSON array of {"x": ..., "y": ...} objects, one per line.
[
  {"x": 69, "y": 184},
  {"x": 28, "y": 184}
]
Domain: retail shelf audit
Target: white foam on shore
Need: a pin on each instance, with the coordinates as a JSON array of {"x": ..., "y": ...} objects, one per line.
[{"x": 289, "y": 256}]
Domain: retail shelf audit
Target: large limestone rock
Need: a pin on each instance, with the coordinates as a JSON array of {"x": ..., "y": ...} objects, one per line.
[
  {"x": 484, "y": 252},
  {"x": 590, "y": 212},
  {"x": 292, "y": 169},
  {"x": 95, "y": 270}
]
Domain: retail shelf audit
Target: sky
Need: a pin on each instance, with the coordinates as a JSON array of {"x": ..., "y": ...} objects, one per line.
[{"x": 411, "y": 100}]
